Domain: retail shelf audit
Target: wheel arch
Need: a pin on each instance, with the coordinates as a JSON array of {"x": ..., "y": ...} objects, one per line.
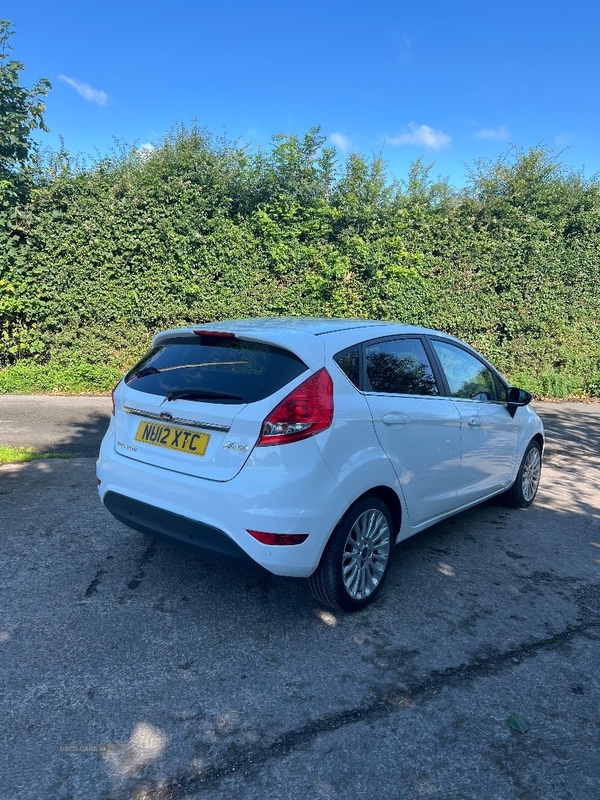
[
  {"x": 343, "y": 575},
  {"x": 391, "y": 500}
]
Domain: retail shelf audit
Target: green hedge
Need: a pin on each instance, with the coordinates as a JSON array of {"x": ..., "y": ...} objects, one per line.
[{"x": 101, "y": 257}]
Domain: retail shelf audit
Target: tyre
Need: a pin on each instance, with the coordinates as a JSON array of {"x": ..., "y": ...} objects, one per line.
[
  {"x": 356, "y": 559},
  {"x": 523, "y": 491}
]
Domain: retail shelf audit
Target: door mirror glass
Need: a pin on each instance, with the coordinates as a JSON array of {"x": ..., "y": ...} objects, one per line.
[{"x": 518, "y": 397}]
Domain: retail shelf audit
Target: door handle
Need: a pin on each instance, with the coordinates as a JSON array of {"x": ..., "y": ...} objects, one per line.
[
  {"x": 395, "y": 418},
  {"x": 475, "y": 422}
]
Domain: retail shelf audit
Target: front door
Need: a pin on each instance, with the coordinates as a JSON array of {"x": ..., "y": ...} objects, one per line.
[{"x": 489, "y": 433}]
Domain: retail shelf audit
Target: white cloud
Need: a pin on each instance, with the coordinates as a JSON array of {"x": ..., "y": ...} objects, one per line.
[
  {"x": 563, "y": 140},
  {"x": 402, "y": 45},
  {"x": 87, "y": 92},
  {"x": 146, "y": 149},
  {"x": 340, "y": 141},
  {"x": 422, "y": 136},
  {"x": 500, "y": 134}
]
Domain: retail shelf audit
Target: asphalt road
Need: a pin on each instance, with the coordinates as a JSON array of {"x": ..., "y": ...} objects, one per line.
[
  {"x": 54, "y": 424},
  {"x": 135, "y": 670}
]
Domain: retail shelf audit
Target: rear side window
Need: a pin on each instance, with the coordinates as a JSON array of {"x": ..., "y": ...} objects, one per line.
[
  {"x": 399, "y": 366},
  {"x": 211, "y": 369},
  {"x": 348, "y": 362}
]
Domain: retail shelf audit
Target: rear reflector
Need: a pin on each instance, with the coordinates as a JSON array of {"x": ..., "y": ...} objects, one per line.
[{"x": 279, "y": 538}]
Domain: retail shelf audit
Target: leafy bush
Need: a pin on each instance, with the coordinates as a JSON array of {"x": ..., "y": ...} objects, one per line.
[
  {"x": 32, "y": 378},
  {"x": 101, "y": 256}
]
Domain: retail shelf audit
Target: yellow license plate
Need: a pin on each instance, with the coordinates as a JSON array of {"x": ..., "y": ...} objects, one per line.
[{"x": 180, "y": 439}]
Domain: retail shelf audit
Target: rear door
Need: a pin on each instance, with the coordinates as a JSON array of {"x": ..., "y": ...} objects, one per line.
[
  {"x": 417, "y": 426},
  {"x": 194, "y": 403}
]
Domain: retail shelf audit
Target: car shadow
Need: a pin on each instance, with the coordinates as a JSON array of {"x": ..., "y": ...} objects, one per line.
[
  {"x": 571, "y": 432},
  {"x": 84, "y": 438},
  {"x": 65, "y": 427}
]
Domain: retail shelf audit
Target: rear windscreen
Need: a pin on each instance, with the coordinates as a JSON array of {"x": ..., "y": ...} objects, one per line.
[{"x": 212, "y": 369}]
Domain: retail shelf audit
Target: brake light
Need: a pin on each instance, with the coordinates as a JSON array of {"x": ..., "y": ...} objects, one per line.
[
  {"x": 279, "y": 538},
  {"x": 215, "y": 334},
  {"x": 307, "y": 410}
]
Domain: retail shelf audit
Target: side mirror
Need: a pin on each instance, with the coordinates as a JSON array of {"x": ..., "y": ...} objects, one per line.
[{"x": 516, "y": 398}]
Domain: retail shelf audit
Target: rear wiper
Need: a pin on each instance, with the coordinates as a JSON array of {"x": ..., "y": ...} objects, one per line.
[
  {"x": 145, "y": 371},
  {"x": 186, "y": 394}
]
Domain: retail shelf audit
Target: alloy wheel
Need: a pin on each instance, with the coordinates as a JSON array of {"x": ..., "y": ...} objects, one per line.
[
  {"x": 532, "y": 469},
  {"x": 366, "y": 554}
]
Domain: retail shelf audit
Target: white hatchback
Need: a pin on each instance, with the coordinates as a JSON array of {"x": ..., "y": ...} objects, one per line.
[{"x": 309, "y": 447}]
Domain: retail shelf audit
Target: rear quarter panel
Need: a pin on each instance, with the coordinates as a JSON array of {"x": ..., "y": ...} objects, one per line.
[{"x": 350, "y": 447}]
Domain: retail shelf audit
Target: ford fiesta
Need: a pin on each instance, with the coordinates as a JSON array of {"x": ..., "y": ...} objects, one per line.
[{"x": 310, "y": 446}]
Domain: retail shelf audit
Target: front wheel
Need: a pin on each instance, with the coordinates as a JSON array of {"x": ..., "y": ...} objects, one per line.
[
  {"x": 357, "y": 557},
  {"x": 524, "y": 489}
]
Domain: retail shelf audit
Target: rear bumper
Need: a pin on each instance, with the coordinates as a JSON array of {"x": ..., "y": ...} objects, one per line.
[
  {"x": 210, "y": 542},
  {"x": 286, "y": 489}
]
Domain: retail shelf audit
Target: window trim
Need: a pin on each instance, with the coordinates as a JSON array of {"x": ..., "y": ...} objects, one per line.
[{"x": 436, "y": 366}]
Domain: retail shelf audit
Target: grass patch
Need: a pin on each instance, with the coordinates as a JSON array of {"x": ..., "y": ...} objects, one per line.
[
  {"x": 13, "y": 455},
  {"x": 28, "y": 377},
  {"x": 55, "y": 378},
  {"x": 556, "y": 386}
]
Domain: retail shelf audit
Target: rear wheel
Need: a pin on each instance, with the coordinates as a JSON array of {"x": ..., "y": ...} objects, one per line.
[
  {"x": 357, "y": 557},
  {"x": 521, "y": 494}
]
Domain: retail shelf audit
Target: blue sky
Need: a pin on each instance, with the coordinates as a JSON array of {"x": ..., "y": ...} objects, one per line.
[{"x": 449, "y": 81}]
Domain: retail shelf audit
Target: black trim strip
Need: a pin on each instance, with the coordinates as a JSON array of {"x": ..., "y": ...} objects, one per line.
[
  {"x": 209, "y": 426},
  {"x": 205, "y": 540}
]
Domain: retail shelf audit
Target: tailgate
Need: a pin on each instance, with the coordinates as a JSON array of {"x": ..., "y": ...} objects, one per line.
[{"x": 193, "y": 403}]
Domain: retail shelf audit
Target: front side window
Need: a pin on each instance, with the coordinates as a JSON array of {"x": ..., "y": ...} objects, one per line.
[
  {"x": 399, "y": 366},
  {"x": 467, "y": 376}
]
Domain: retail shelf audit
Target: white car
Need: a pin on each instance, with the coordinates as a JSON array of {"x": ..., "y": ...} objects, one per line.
[{"x": 310, "y": 446}]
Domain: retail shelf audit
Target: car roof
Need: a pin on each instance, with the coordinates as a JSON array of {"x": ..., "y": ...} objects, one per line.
[
  {"x": 316, "y": 326},
  {"x": 308, "y": 337}
]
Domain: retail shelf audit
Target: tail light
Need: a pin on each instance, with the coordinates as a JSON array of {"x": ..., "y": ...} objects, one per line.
[
  {"x": 307, "y": 410},
  {"x": 112, "y": 397}
]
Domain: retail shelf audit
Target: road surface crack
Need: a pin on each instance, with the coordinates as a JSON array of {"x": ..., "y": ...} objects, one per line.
[
  {"x": 93, "y": 587},
  {"x": 145, "y": 559},
  {"x": 248, "y": 759}
]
